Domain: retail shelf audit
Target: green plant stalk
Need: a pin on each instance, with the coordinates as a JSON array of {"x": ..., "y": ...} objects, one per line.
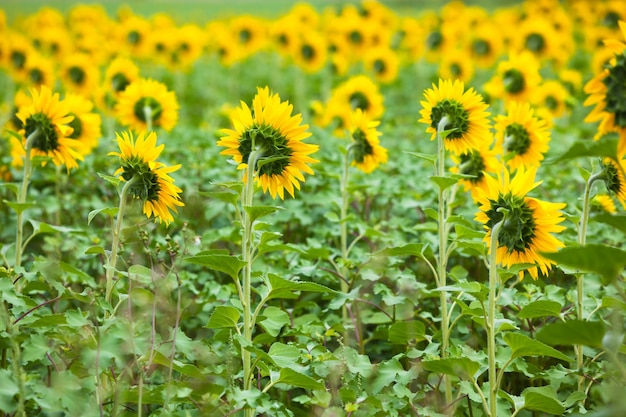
[
  {"x": 343, "y": 231},
  {"x": 580, "y": 289},
  {"x": 18, "y": 372},
  {"x": 248, "y": 258},
  {"x": 490, "y": 320},
  {"x": 112, "y": 261},
  {"x": 442, "y": 261},
  {"x": 21, "y": 197}
]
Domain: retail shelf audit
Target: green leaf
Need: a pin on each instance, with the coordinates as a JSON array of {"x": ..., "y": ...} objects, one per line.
[
  {"x": 605, "y": 147},
  {"x": 403, "y": 332},
  {"x": 186, "y": 369},
  {"x": 386, "y": 373},
  {"x": 543, "y": 399},
  {"x": 296, "y": 379},
  {"x": 607, "y": 261},
  {"x": 467, "y": 233},
  {"x": 224, "y": 317},
  {"x": 110, "y": 179},
  {"x": 284, "y": 356},
  {"x": 540, "y": 308},
  {"x": 8, "y": 390},
  {"x": 282, "y": 288},
  {"x": 18, "y": 207},
  {"x": 522, "y": 345},
  {"x": 411, "y": 249},
  {"x": 97, "y": 250},
  {"x": 15, "y": 188},
  {"x": 256, "y": 212},
  {"x": 617, "y": 221},
  {"x": 432, "y": 158},
  {"x": 573, "y": 332},
  {"x": 229, "y": 264},
  {"x": 464, "y": 368},
  {"x": 225, "y": 196},
  {"x": 443, "y": 182},
  {"x": 273, "y": 319},
  {"x": 140, "y": 274},
  {"x": 50, "y": 320},
  {"x": 109, "y": 211},
  {"x": 236, "y": 186}
]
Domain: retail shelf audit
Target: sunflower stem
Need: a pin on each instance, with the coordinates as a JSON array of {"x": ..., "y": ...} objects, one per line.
[
  {"x": 13, "y": 331},
  {"x": 582, "y": 238},
  {"x": 248, "y": 258},
  {"x": 112, "y": 261},
  {"x": 442, "y": 256},
  {"x": 490, "y": 320},
  {"x": 21, "y": 197}
]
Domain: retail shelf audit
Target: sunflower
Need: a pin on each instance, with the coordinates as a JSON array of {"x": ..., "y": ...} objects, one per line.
[
  {"x": 143, "y": 96},
  {"x": 516, "y": 79},
  {"x": 310, "y": 52},
  {"x": 604, "y": 203},
  {"x": 270, "y": 128},
  {"x": 613, "y": 177},
  {"x": 79, "y": 74},
  {"x": 527, "y": 225},
  {"x": 360, "y": 92},
  {"x": 151, "y": 181},
  {"x": 607, "y": 92},
  {"x": 188, "y": 45},
  {"x": 17, "y": 49},
  {"x": 537, "y": 35},
  {"x": 383, "y": 63},
  {"x": 485, "y": 44},
  {"x": 249, "y": 32},
  {"x": 456, "y": 65},
  {"x": 133, "y": 32},
  {"x": 39, "y": 70},
  {"x": 119, "y": 74},
  {"x": 521, "y": 136},
  {"x": 554, "y": 96},
  {"x": 47, "y": 120},
  {"x": 366, "y": 151},
  {"x": 478, "y": 163},
  {"x": 86, "y": 124},
  {"x": 465, "y": 112}
]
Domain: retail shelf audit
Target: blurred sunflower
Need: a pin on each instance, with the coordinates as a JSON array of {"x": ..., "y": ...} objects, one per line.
[
  {"x": 485, "y": 44},
  {"x": 152, "y": 183},
  {"x": 465, "y": 114},
  {"x": 607, "y": 92},
  {"x": 521, "y": 137},
  {"x": 188, "y": 46},
  {"x": 478, "y": 163},
  {"x": 145, "y": 98},
  {"x": 46, "y": 122},
  {"x": 516, "y": 79},
  {"x": 54, "y": 42},
  {"x": 79, "y": 74},
  {"x": 537, "y": 35},
  {"x": 359, "y": 92},
  {"x": 17, "y": 48},
  {"x": 284, "y": 34},
  {"x": 604, "y": 203},
  {"x": 86, "y": 124},
  {"x": 249, "y": 32},
  {"x": 553, "y": 95},
  {"x": 269, "y": 127},
  {"x": 133, "y": 32},
  {"x": 383, "y": 63},
  {"x": 456, "y": 65},
  {"x": 118, "y": 75},
  {"x": 367, "y": 154},
  {"x": 39, "y": 70},
  {"x": 310, "y": 52},
  {"x": 528, "y": 223}
]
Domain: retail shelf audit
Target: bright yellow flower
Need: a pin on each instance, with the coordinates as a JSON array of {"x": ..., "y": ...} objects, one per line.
[
  {"x": 145, "y": 96},
  {"x": 367, "y": 154}
]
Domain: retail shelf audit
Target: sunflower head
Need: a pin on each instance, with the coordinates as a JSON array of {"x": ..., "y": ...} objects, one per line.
[
  {"x": 366, "y": 151},
  {"x": 462, "y": 113},
  {"x": 148, "y": 179},
  {"x": 145, "y": 102},
  {"x": 275, "y": 136},
  {"x": 613, "y": 177}
]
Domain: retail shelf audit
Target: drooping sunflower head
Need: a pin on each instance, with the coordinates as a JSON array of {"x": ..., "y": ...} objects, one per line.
[
  {"x": 146, "y": 100},
  {"x": 367, "y": 154},
  {"x": 521, "y": 137},
  {"x": 46, "y": 121},
  {"x": 478, "y": 163},
  {"x": 463, "y": 114},
  {"x": 613, "y": 177},
  {"x": 526, "y": 224},
  {"x": 149, "y": 179},
  {"x": 276, "y": 137}
]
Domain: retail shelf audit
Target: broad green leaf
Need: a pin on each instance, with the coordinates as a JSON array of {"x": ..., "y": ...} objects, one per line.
[
  {"x": 467, "y": 233},
  {"x": 110, "y": 179},
  {"x": 229, "y": 264},
  {"x": 411, "y": 249},
  {"x": 443, "y": 182},
  {"x": 109, "y": 211},
  {"x": 540, "y": 308},
  {"x": 296, "y": 379},
  {"x": 613, "y": 302},
  {"x": 18, "y": 207},
  {"x": 574, "y": 397},
  {"x": 572, "y": 332},
  {"x": 225, "y": 196},
  {"x": 236, "y": 186},
  {"x": 464, "y": 368},
  {"x": 273, "y": 319},
  {"x": 282, "y": 288},
  {"x": 543, "y": 399},
  {"x": 256, "y": 212},
  {"x": 605, "y": 260},
  {"x": 605, "y": 147},
  {"x": 432, "y": 158},
  {"x": 140, "y": 274},
  {"x": 8, "y": 389},
  {"x": 403, "y": 332},
  {"x": 97, "y": 250},
  {"x": 386, "y": 373},
  {"x": 224, "y": 317},
  {"x": 617, "y": 221},
  {"x": 50, "y": 320},
  {"x": 284, "y": 356},
  {"x": 186, "y": 369},
  {"x": 15, "y": 188},
  {"x": 522, "y": 345}
]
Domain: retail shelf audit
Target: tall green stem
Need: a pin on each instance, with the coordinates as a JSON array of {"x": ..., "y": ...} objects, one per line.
[
  {"x": 21, "y": 197},
  {"x": 18, "y": 372},
  {"x": 247, "y": 246},
  {"x": 582, "y": 238},
  {"x": 343, "y": 230},
  {"x": 490, "y": 320},
  {"x": 110, "y": 270},
  {"x": 442, "y": 257}
]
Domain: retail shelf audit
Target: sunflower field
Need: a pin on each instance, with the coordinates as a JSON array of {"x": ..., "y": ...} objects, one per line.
[{"x": 342, "y": 209}]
